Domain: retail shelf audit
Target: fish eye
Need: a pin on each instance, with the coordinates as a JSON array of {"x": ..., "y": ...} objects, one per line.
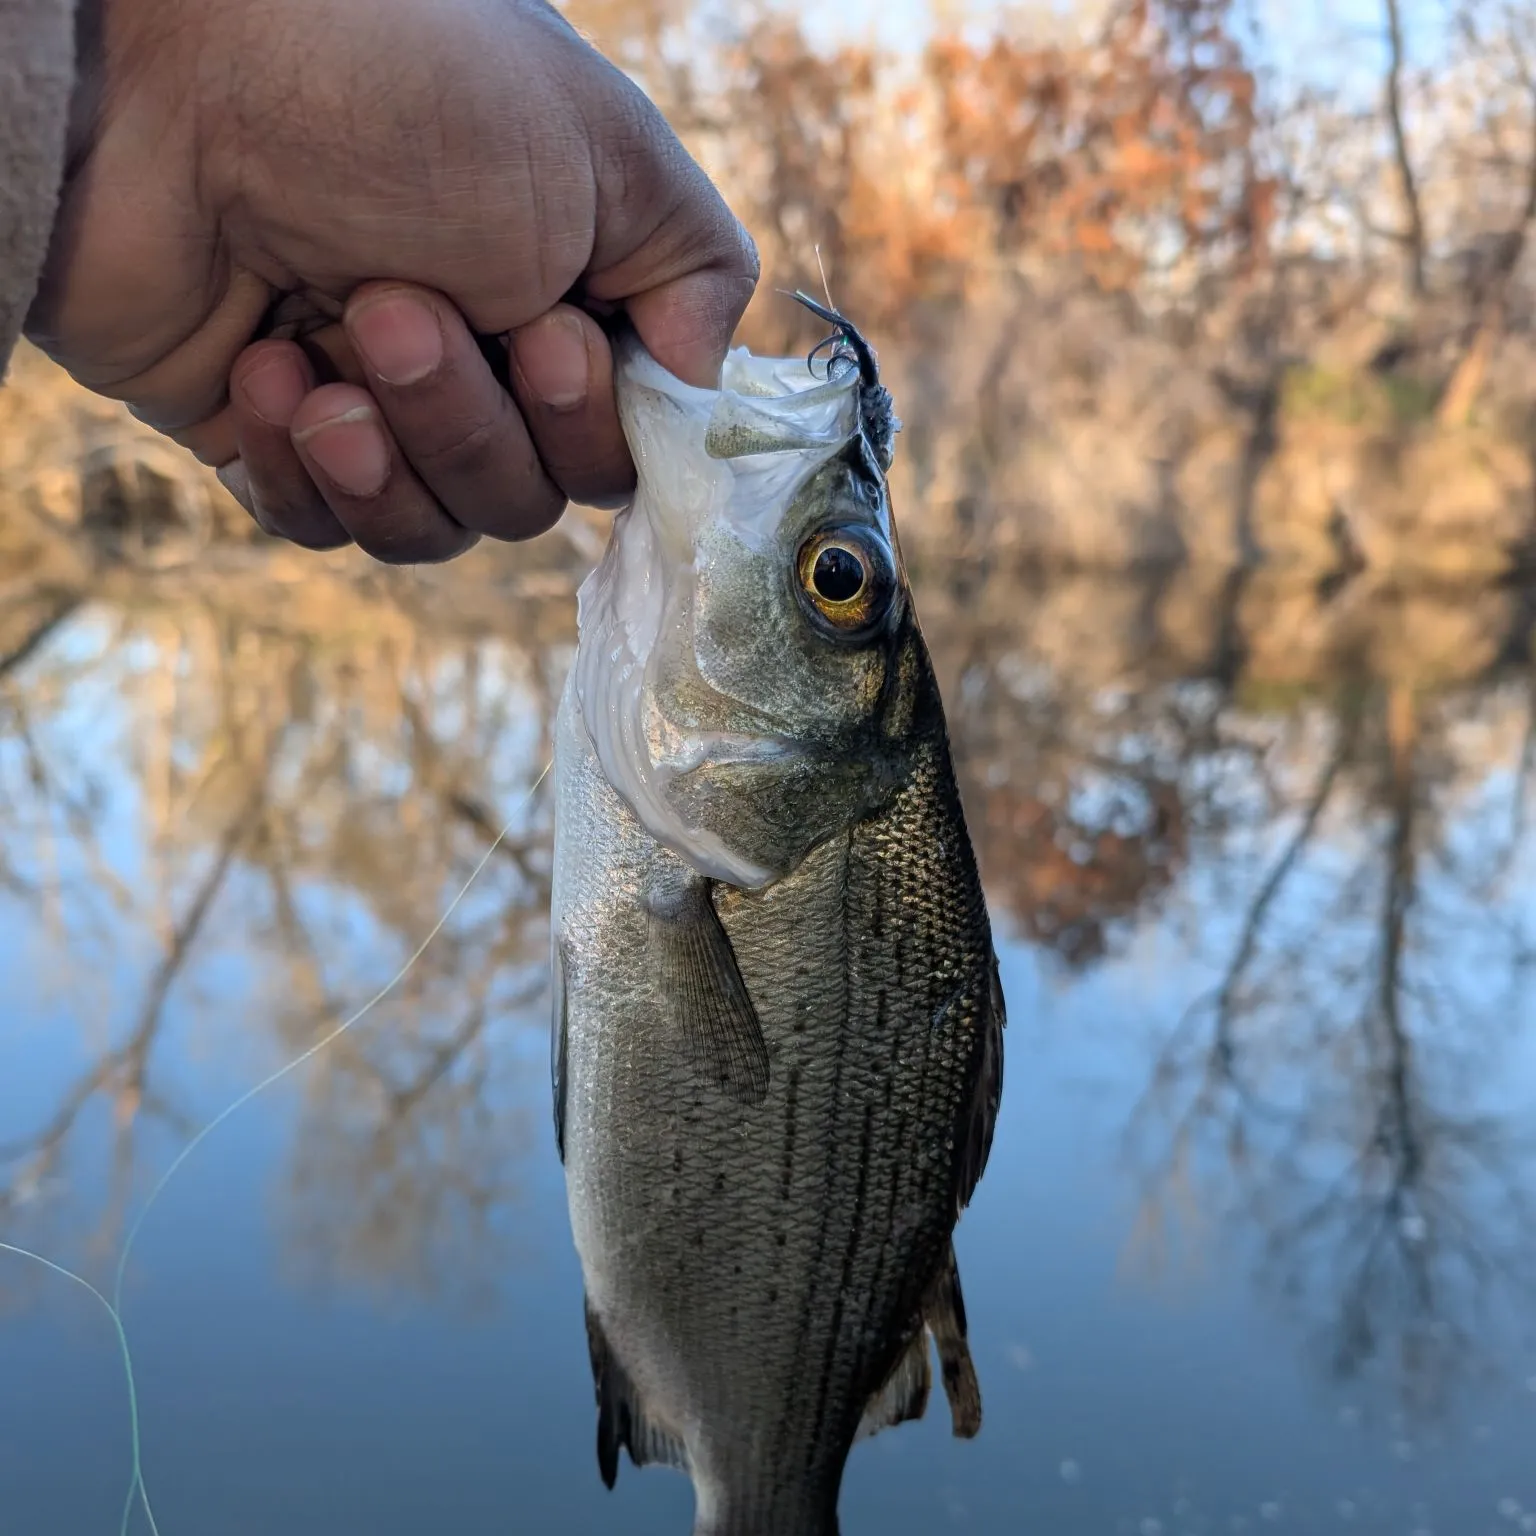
[
  {"x": 838, "y": 574},
  {"x": 847, "y": 579}
]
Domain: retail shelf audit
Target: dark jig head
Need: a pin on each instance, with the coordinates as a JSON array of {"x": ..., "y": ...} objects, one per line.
[
  {"x": 877, "y": 414},
  {"x": 846, "y": 342}
]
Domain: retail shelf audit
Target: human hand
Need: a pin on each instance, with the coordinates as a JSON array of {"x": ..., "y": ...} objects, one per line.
[{"x": 390, "y": 177}]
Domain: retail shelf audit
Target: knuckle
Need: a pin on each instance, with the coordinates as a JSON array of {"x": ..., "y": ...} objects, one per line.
[
  {"x": 465, "y": 445},
  {"x": 749, "y": 265},
  {"x": 484, "y": 474},
  {"x": 595, "y": 481},
  {"x": 396, "y": 551},
  {"x": 306, "y": 532}
]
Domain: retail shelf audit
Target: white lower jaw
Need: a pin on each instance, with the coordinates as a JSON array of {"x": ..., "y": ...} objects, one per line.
[{"x": 638, "y": 751}]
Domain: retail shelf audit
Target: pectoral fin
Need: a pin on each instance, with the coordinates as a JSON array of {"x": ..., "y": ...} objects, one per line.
[
  {"x": 701, "y": 980},
  {"x": 622, "y": 1422}
]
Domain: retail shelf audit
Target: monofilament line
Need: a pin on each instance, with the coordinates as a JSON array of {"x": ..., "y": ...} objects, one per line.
[
  {"x": 826, "y": 287},
  {"x": 137, "y": 1484},
  {"x": 113, "y": 1307}
]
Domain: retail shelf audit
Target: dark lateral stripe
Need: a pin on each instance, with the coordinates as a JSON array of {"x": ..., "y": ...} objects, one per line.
[
  {"x": 791, "y": 1101},
  {"x": 866, "y": 1226},
  {"x": 850, "y": 1249},
  {"x": 886, "y": 1218},
  {"x": 839, "y": 1061}
]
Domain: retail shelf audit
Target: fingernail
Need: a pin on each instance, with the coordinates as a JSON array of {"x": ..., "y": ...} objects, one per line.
[
  {"x": 552, "y": 356},
  {"x": 349, "y": 450},
  {"x": 275, "y": 389},
  {"x": 399, "y": 338}
]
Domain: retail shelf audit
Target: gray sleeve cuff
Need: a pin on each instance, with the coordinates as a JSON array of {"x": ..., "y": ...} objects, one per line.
[{"x": 37, "y": 71}]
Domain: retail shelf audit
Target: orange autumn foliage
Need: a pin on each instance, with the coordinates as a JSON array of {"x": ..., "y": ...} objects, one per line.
[
  {"x": 827, "y": 166},
  {"x": 1130, "y": 155},
  {"x": 1133, "y": 150}
]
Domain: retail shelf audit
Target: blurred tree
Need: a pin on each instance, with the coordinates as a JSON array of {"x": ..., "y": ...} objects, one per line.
[
  {"x": 1412, "y": 231},
  {"x": 1499, "y": 65},
  {"x": 1132, "y": 153},
  {"x": 1128, "y": 145}
]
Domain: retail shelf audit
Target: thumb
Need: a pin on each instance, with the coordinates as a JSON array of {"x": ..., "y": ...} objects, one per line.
[
  {"x": 666, "y": 246},
  {"x": 687, "y": 323}
]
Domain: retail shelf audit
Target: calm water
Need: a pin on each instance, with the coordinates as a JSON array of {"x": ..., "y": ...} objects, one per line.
[{"x": 1257, "y": 1246}]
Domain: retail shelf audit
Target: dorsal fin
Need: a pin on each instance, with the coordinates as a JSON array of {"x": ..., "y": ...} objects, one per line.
[{"x": 981, "y": 1121}]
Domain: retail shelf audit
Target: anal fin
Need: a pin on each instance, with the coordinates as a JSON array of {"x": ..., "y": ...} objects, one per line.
[
  {"x": 905, "y": 1393},
  {"x": 622, "y": 1422},
  {"x": 944, "y": 1313},
  {"x": 701, "y": 979}
]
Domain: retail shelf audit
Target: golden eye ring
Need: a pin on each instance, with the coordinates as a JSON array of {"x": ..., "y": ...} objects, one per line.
[{"x": 846, "y": 579}]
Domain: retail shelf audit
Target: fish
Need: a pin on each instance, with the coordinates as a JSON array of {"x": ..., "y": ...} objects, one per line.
[{"x": 777, "y": 1036}]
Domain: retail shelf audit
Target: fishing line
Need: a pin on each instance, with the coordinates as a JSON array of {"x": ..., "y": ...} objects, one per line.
[
  {"x": 113, "y": 1307},
  {"x": 137, "y": 1485},
  {"x": 826, "y": 287}
]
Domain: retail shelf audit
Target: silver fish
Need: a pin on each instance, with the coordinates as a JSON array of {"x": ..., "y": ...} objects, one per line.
[{"x": 777, "y": 1043}]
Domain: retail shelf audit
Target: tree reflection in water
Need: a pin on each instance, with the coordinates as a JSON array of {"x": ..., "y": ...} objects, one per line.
[
  {"x": 306, "y": 791},
  {"x": 291, "y": 778},
  {"x": 1338, "y": 1091}
]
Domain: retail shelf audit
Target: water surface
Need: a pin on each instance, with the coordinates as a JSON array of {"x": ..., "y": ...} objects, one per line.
[{"x": 1257, "y": 1244}]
